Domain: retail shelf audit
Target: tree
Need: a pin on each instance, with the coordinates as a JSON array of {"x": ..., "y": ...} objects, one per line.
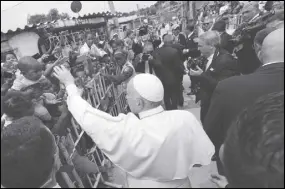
[
  {"x": 152, "y": 10},
  {"x": 53, "y": 14},
  {"x": 64, "y": 16},
  {"x": 37, "y": 18}
]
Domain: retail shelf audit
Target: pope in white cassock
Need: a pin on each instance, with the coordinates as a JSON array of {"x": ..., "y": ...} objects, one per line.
[{"x": 155, "y": 150}]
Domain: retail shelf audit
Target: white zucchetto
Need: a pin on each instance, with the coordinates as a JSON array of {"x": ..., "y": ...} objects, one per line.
[{"x": 149, "y": 87}]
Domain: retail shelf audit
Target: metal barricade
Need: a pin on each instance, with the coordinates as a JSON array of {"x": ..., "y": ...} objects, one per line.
[
  {"x": 234, "y": 21},
  {"x": 96, "y": 96}
]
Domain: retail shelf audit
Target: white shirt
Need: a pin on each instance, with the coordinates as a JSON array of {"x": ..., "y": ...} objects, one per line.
[
  {"x": 56, "y": 186},
  {"x": 271, "y": 63},
  {"x": 7, "y": 120},
  {"x": 254, "y": 17},
  {"x": 21, "y": 82},
  {"x": 190, "y": 34},
  {"x": 160, "y": 146},
  {"x": 94, "y": 49},
  {"x": 210, "y": 59}
]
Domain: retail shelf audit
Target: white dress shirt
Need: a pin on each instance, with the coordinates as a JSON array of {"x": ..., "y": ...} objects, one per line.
[
  {"x": 254, "y": 17},
  {"x": 94, "y": 49},
  {"x": 210, "y": 59},
  {"x": 190, "y": 34},
  {"x": 157, "y": 150},
  {"x": 7, "y": 120}
]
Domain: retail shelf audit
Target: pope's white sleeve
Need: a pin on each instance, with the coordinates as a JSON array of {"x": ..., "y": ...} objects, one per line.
[
  {"x": 121, "y": 138},
  {"x": 89, "y": 118},
  {"x": 203, "y": 148}
]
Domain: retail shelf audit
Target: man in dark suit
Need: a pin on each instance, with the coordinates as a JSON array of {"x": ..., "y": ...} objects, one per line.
[
  {"x": 191, "y": 50},
  {"x": 179, "y": 36},
  {"x": 247, "y": 60},
  {"x": 232, "y": 95},
  {"x": 220, "y": 65},
  {"x": 226, "y": 39},
  {"x": 168, "y": 67}
]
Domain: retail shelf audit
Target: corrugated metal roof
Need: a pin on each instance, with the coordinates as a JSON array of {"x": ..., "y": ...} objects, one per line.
[{"x": 85, "y": 16}]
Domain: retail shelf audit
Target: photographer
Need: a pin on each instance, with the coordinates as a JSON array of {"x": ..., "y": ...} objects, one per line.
[
  {"x": 142, "y": 61},
  {"x": 220, "y": 65}
]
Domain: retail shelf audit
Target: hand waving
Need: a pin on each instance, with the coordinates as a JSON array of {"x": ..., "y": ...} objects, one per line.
[{"x": 63, "y": 75}]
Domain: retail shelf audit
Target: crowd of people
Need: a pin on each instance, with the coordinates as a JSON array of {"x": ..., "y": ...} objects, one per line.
[{"x": 238, "y": 80}]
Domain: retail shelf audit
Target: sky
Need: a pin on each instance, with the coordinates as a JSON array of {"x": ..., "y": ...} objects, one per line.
[{"x": 14, "y": 16}]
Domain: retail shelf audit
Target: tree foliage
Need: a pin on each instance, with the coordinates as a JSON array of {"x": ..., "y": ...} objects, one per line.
[
  {"x": 53, "y": 14},
  {"x": 152, "y": 10},
  {"x": 37, "y": 18}
]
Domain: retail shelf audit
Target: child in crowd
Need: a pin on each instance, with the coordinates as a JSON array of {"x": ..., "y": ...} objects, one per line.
[
  {"x": 34, "y": 84},
  {"x": 15, "y": 106},
  {"x": 10, "y": 64},
  {"x": 89, "y": 47}
]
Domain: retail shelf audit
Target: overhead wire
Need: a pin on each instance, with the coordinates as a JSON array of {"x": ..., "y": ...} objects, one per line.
[{"x": 12, "y": 6}]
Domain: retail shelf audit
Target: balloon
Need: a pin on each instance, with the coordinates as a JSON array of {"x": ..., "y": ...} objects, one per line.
[{"x": 76, "y": 6}]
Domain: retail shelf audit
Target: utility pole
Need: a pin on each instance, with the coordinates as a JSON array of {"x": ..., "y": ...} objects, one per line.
[
  {"x": 112, "y": 8},
  {"x": 192, "y": 9},
  {"x": 185, "y": 9},
  {"x": 139, "y": 14}
]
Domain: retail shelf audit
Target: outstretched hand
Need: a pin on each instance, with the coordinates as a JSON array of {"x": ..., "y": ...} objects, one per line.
[
  {"x": 63, "y": 75},
  {"x": 219, "y": 180}
]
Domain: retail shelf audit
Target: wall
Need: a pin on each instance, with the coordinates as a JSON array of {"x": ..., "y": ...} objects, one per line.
[{"x": 24, "y": 44}]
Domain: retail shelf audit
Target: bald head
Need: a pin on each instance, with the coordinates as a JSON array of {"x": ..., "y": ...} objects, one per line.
[
  {"x": 272, "y": 49},
  {"x": 144, "y": 91},
  {"x": 168, "y": 39},
  {"x": 259, "y": 38},
  {"x": 29, "y": 63}
]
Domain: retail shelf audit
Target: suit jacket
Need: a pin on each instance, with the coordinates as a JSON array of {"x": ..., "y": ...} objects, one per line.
[
  {"x": 234, "y": 94},
  {"x": 137, "y": 48},
  {"x": 192, "y": 46},
  {"x": 223, "y": 66},
  {"x": 182, "y": 40},
  {"x": 247, "y": 59},
  {"x": 226, "y": 42},
  {"x": 168, "y": 66}
]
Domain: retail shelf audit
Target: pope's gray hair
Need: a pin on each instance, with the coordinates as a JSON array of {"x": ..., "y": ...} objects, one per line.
[{"x": 211, "y": 38}]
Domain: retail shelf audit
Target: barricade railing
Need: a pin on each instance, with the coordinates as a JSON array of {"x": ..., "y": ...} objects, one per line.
[
  {"x": 103, "y": 95},
  {"x": 67, "y": 38},
  {"x": 234, "y": 21}
]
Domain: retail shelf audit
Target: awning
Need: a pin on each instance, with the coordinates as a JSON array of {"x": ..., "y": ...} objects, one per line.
[{"x": 85, "y": 16}]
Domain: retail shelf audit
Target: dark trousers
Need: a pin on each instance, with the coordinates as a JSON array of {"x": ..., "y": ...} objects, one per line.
[
  {"x": 180, "y": 97},
  {"x": 150, "y": 68},
  {"x": 205, "y": 104},
  {"x": 193, "y": 83},
  {"x": 220, "y": 166},
  {"x": 141, "y": 67},
  {"x": 171, "y": 97}
]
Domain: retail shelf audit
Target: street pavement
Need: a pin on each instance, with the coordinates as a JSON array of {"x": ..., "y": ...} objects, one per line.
[{"x": 200, "y": 176}]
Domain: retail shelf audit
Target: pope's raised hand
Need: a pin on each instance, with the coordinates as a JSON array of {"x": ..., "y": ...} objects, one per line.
[{"x": 63, "y": 75}]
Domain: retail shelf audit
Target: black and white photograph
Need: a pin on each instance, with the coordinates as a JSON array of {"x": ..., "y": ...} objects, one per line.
[{"x": 142, "y": 94}]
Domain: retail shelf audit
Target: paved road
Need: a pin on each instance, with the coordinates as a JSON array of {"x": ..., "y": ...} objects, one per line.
[{"x": 200, "y": 177}]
